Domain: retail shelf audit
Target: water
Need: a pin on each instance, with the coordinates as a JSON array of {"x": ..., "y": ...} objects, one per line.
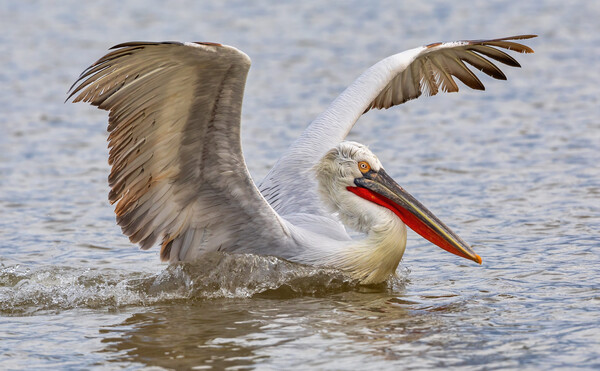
[{"x": 514, "y": 170}]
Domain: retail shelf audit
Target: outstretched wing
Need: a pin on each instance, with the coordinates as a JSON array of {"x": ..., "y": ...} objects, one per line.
[
  {"x": 178, "y": 173},
  {"x": 392, "y": 81}
]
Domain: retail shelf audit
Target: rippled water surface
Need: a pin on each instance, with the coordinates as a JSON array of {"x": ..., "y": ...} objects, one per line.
[{"x": 514, "y": 170}]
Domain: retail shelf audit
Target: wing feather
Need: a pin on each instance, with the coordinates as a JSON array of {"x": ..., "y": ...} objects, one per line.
[
  {"x": 178, "y": 174},
  {"x": 457, "y": 68},
  {"x": 496, "y": 54},
  {"x": 481, "y": 64}
]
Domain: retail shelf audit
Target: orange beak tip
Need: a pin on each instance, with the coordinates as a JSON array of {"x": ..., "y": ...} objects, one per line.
[{"x": 478, "y": 259}]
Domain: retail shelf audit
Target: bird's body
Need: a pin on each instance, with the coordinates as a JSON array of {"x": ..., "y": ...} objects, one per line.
[{"x": 180, "y": 179}]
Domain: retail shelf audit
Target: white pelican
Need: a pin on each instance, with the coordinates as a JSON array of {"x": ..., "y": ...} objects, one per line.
[{"x": 179, "y": 176}]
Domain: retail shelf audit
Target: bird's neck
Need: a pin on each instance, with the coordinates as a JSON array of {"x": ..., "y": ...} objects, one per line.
[{"x": 376, "y": 257}]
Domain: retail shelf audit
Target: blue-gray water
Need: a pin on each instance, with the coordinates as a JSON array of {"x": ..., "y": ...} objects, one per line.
[{"x": 514, "y": 170}]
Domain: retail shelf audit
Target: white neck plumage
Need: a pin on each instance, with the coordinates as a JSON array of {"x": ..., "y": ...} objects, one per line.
[{"x": 374, "y": 258}]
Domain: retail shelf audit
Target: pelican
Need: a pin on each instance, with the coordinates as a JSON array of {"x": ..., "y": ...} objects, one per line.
[{"x": 179, "y": 178}]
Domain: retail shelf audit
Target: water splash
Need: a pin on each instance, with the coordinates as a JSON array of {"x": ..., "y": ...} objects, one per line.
[{"x": 217, "y": 275}]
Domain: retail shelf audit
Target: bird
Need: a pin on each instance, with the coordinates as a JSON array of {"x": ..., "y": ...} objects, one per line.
[{"x": 180, "y": 180}]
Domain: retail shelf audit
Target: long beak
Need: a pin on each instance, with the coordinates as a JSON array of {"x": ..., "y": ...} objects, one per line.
[{"x": 380, "y": 188}]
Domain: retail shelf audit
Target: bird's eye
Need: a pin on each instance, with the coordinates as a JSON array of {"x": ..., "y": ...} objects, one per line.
[{"x": 364, "y": 166}]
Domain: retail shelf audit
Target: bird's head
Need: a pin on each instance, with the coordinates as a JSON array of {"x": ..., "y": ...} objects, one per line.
[{"x": 353, "y": 183}]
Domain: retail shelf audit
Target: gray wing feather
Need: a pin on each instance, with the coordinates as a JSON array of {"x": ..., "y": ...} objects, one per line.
[
  {"x": 178, "y": 174},
  {"x": 392, "y": 81}
]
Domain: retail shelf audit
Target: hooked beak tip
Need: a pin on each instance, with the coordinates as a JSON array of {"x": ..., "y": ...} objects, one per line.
[{"x": 478, "y": 259}]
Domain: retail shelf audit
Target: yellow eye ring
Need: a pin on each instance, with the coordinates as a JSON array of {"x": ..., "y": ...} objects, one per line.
[{"x": 364, "y": 167}]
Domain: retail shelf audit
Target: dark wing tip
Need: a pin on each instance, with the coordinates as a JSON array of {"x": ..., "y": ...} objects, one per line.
[
  {"x": 522, "y": 37},
  {"x": 165, "y": 248},
  {"x": 506, "y": 43},
  {"x": 508, "y": 38},
  {"x": 207, "y": 43},
  {"x": 148, "y": 43},
  {"x": 142, "y": 43}
]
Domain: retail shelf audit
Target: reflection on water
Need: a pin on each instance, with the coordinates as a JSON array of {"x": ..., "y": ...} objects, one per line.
[
  {"x": 318, "y": 332},
  {"x": 180, "y": 336},
  {"x": 514, "y": 170},
  {"x": 253, "y": 331}
]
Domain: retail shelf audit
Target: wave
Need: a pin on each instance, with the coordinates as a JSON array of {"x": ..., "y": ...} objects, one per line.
[{"x": 216, "y": 275}]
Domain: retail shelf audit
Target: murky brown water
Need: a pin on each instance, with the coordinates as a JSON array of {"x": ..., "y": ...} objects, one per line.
[{"x": 514, "y": 170}]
